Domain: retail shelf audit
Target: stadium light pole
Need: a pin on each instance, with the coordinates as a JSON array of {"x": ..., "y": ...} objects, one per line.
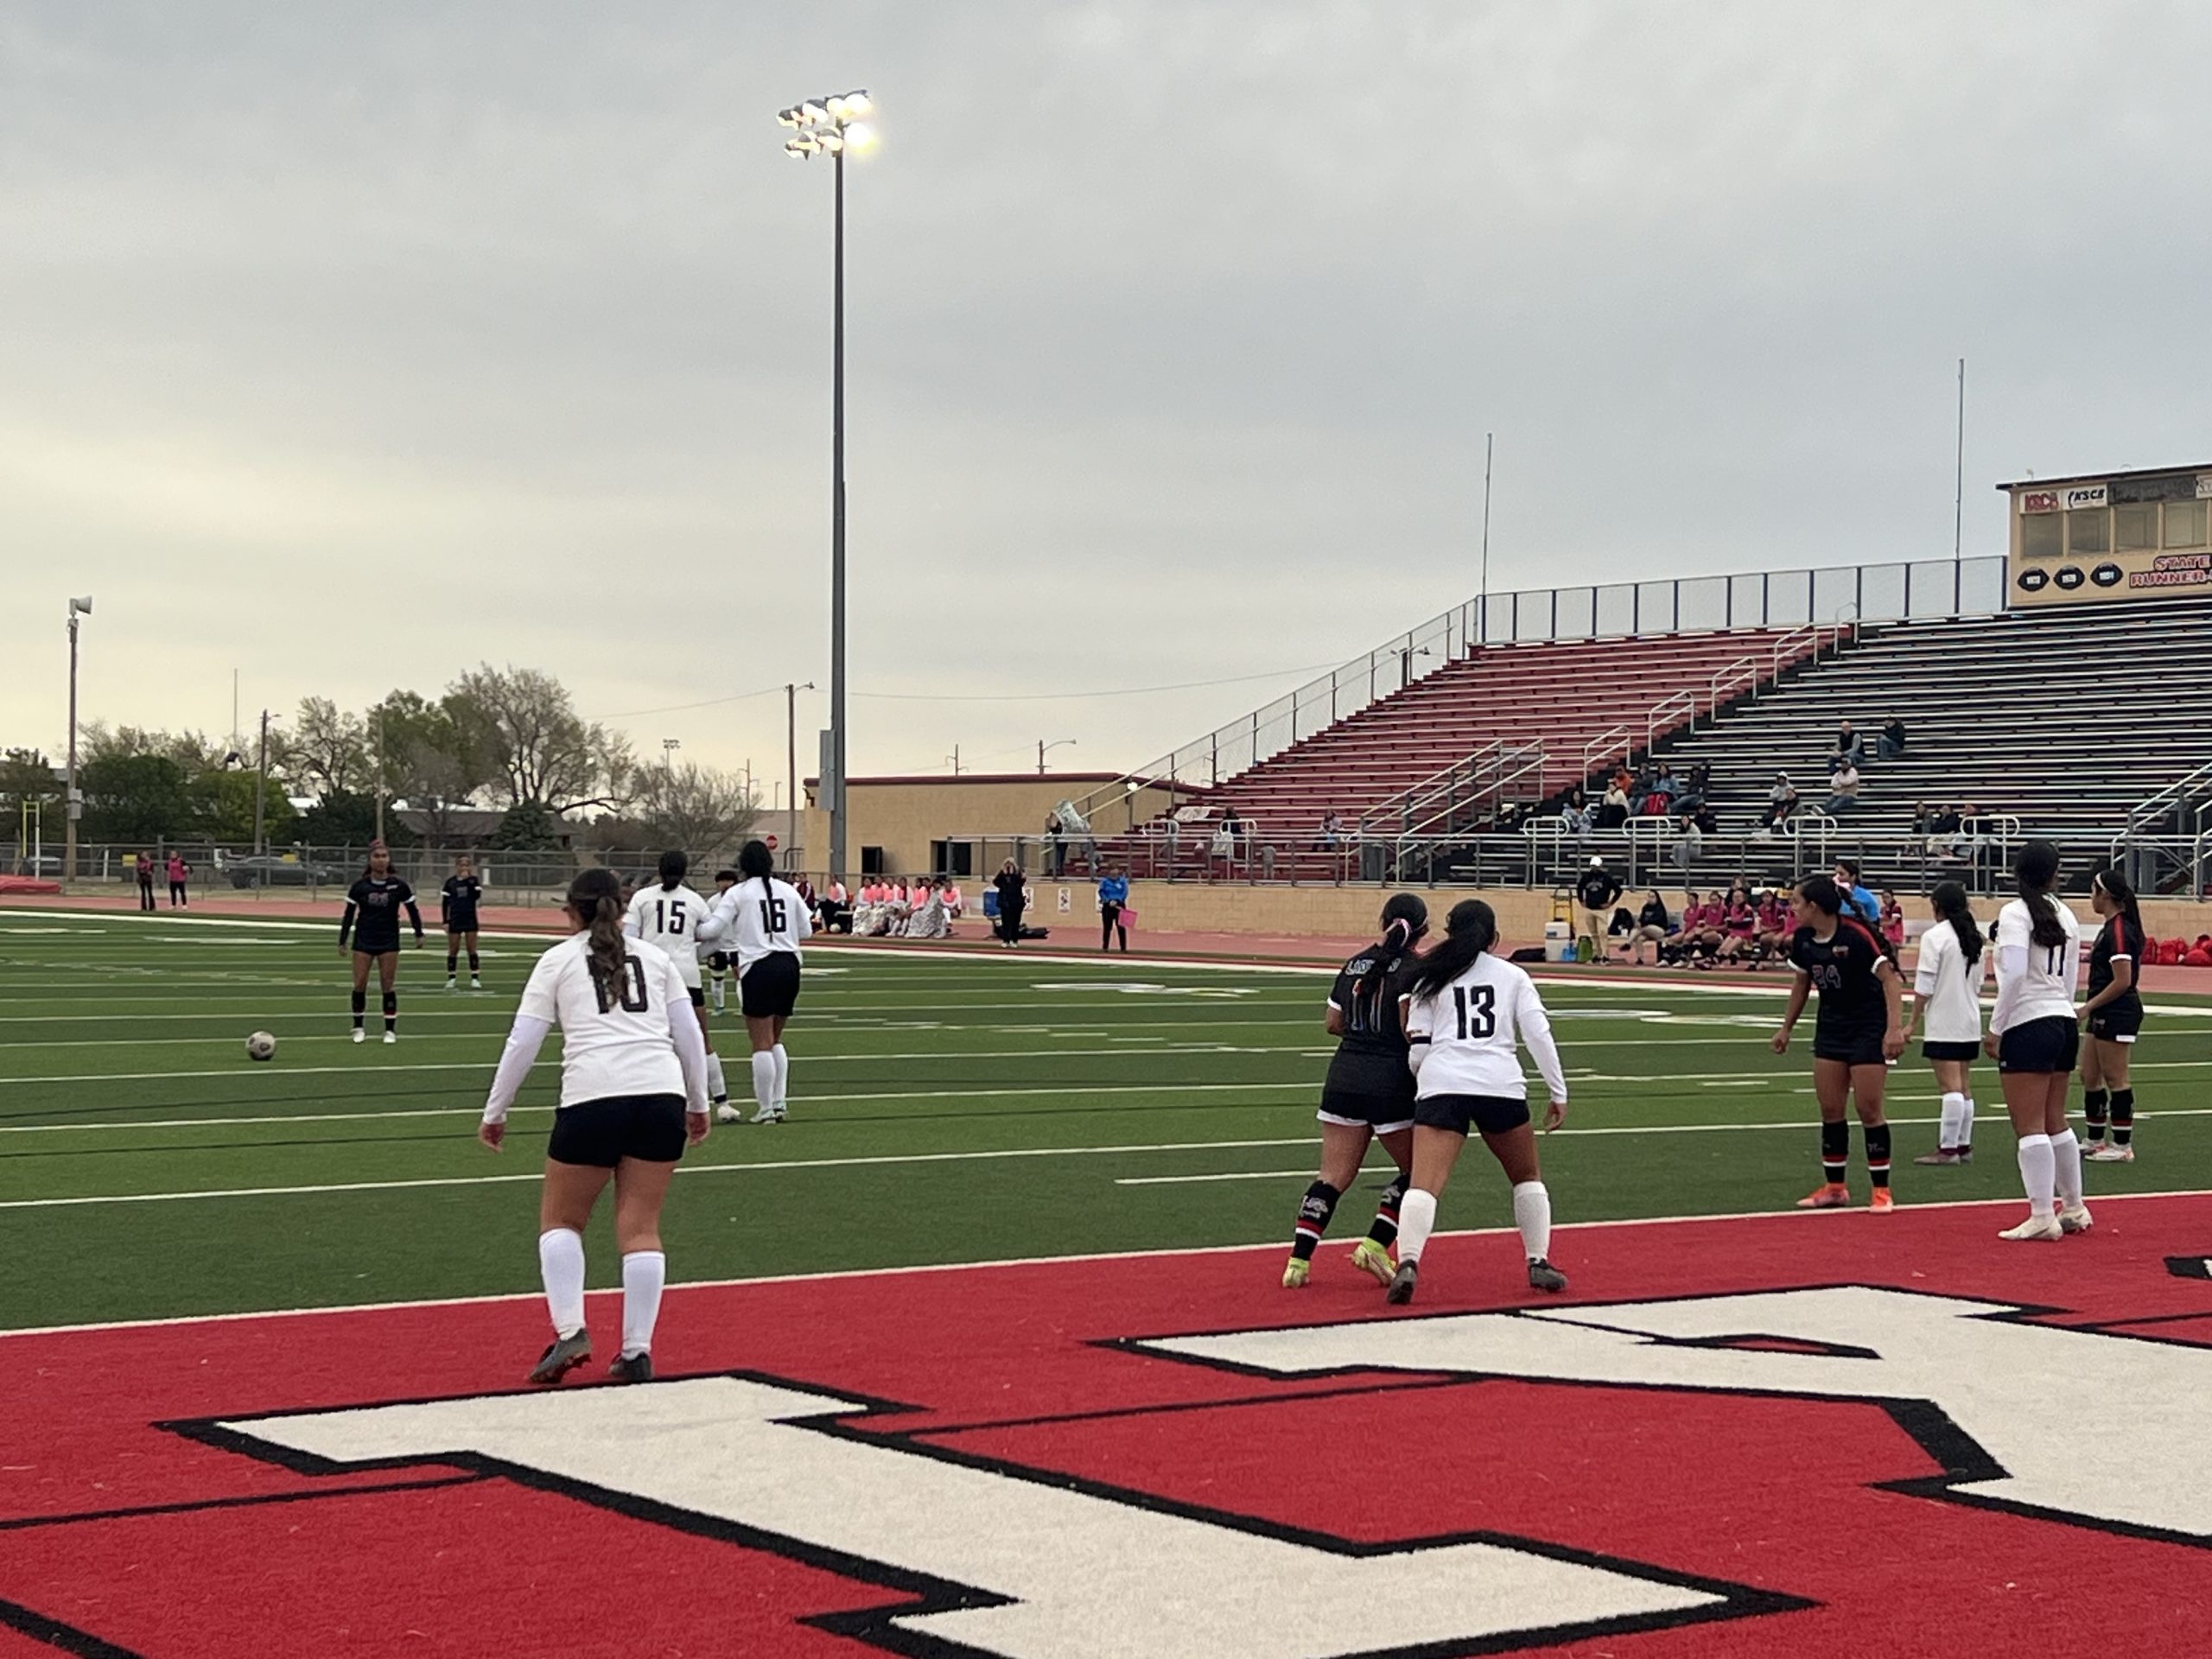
[
  {"x": 830, "y": 126},
  {"x": 73, "y": 803},
  {"x": 1044, "y": 749},
  {"x": 791, "y": 759}
]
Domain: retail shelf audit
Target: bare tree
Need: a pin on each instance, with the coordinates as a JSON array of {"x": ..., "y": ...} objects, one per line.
[
  {"x": 705, "y": 812},
  {"x": 539, "y": 749},
  {"x": 327, "y": 750},
  {"x": 195, "y": 752}
]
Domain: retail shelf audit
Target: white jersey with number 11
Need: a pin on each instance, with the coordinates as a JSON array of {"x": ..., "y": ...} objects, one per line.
[{"x": 757, "y": 918}]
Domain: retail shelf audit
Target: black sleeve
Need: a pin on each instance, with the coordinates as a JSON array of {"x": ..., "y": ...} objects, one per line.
[
  {"x": 414, "y": 915},
  {"x": 1340, "y": 993}
]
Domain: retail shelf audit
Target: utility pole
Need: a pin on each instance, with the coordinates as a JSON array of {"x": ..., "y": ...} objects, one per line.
[
  {"x": 379, "y": 771},
  {"x": 261, "y": 795},
  {"x": 74, "y": 802}
]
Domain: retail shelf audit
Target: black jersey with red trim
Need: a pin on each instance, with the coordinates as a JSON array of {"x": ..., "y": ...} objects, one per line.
[
  {"x": 372, "y": 907},
  {"x": 459, "y": 902},
  {"x": 1842, "y": 969},
  {"x": 2119, "y": 937},
  {"x": 1370, "y": 1018}
]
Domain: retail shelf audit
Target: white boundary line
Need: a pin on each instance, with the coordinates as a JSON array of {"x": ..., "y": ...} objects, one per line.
[{"x": 1799, "y": 1216}]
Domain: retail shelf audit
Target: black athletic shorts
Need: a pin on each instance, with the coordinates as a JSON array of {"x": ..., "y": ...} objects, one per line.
[
  {"x": 1950, "y": 1051},
  {"x": 2118, "y": 1022},
  {"x": 463, "y": 923},
  {"x": 770, "y": 987},
  {"x": 605, "y": 1132},
  {"x": 719, "y": 961},
  {"x": 1368, "y": 1090},
  {"x": 2052, "y": 1044},
  {"x": 698, "y": 995},
  {"x": 1853, "y": 1044},
  {"x": 1491, "y": 1114}
]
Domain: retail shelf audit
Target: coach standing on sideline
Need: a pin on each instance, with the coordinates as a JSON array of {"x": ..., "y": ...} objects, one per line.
[{"x": 1598, "y": 892}]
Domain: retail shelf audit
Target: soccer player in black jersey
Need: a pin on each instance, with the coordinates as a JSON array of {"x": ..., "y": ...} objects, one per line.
[
  {"x": 372, "y": 923},
  {"x": 1860, "y": 1030},
  {"x": 457, "y": 910},
  {"x": 2113, "y": 1017},
  {"x": 1369, "y": 1094}
]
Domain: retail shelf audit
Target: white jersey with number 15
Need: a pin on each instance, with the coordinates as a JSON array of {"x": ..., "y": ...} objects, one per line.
[
  {"x": 757, "y": 918},
  {"x": 667, "y": 917}
]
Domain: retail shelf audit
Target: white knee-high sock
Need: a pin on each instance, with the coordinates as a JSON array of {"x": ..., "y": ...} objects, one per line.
[
  {"x": 1532, "y": 1214},
  {"x": 1416, "y": 1220},
  {"x": 644, "y": 1272},
  {"x": 716, "y": 1087},
  {"x": 783, "y": 1075},
  {"x": 1955, "y": 1110},
  {"x": 2038, "y": 1172},
  {"x": 2066, "y": 1174},
  {"x": 1966, "y": 1122},
  {"x": 561, "y": 1264},
  {"x": 763, "y": 1077}
]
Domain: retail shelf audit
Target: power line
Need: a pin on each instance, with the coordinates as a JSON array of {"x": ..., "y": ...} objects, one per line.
[{"x": 707, "y": 702}]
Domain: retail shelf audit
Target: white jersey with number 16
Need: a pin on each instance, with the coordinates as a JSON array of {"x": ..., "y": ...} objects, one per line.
[
  {"x": 667, "y": 917},
  {"x": 757, "y": 918}
]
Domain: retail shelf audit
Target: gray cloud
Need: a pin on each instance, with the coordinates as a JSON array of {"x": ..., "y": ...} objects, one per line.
[{"x": 345, "y": 346}]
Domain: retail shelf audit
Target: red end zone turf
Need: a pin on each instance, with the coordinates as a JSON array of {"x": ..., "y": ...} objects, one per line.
[{"x": 1166, "y": 1454}]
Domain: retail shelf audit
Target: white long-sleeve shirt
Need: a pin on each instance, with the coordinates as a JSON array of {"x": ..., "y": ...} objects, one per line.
[
  {"x": 642, "y": 1039},
  {"x": 2034, "y": 982},
  {"x": 1474, "y": 1029}
]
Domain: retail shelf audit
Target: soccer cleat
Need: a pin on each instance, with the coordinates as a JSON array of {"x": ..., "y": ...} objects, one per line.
[
  {"x": 451, "y": 981},
  {"x": 1828, "y": 1195},
  {"x": 1946, "y": 1155},
  {"x": 631, "y": 1368},
  {"x": 360, "y": 1036},
  {"x": 564, "y": 1356},
  {"x": 1402, "y": 1284},
  {"x": 769, "y": 1114},
  {"x": 2112, "y": 1155},
  {"x": 1880, "y": 1201},
  {"x": 2075, "y": 1218},
  {"x": 1294, "y": 1272},
  {"x": 1544, "y": 1276},
  {"x": 392, "y": 1036},
  {"x": 474, "y": 983},
  {"x": 2034, "y": 1227},
  {"x": 727, "y": 1113},
  {"x": 1373, "y": 1260}
]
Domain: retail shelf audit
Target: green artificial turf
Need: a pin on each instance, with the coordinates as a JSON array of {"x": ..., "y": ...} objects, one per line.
[{"x": 944, "y": 1108}]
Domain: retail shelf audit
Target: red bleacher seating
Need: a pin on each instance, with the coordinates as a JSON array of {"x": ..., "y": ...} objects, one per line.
[{"x": 1563, "y": 696}]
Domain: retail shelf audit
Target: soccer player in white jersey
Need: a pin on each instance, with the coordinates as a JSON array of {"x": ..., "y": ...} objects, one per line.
[
  {"x": 762, "y": 921},
  {"x": 1947, "y": 985},
  {"x": 717, "y": 961},
  {"x": 668, "y": 914},
  {"x": 633, "y": 1094},
  {"x": 2035, "y": 1039},
  {"x": 1466, "y": 1015}
]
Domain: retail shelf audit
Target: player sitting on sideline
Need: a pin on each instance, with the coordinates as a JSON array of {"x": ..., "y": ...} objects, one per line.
[{"x": 633, "y": 1094}]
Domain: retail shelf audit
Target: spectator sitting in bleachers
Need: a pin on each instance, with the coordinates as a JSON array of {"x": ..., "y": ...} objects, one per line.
[
  {"x": 1613, "y": 812},
  {"x": 1890, "y": 743},
  {"x": 1843, "y": 789},
  {"x": 1575, "y": 821},
  {"x": 1664, "y": 784},
  {"x": 1332, "y": 832},
  {"x": 1847, "y": 748},
  {"x": 1695, "y": 787}
]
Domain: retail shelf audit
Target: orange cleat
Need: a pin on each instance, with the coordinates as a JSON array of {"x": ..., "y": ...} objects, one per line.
[
  {"x": 1828, "y": 1195},
  {"x": 1881, "y": 1201}
]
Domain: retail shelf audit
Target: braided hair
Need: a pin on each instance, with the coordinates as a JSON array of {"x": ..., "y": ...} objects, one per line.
[{"x": 596, "y": 896}]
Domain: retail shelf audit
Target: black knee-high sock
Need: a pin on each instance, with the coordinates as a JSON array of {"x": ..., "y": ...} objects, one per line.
[
  {"x": 1385, "y": 1229},
  {"x": 474, "y": 962},
  {"x": 2092, "y": 1111},
  {"x": 1835, "y": 1151},
  {"x": 1878, "y": 1153},
  {"x": 360, "y": 1005},
  {"x": 390, "y": 1010},
  {"x": 2123, "y": 1116},
  {"x": 1313, "y": 1212},
  {"x": 452, "y": 962}
]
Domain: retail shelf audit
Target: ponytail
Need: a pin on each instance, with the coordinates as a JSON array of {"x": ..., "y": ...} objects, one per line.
[
  {"x": 1949, "y": 900},
  {"x": 1470, "y": 929},
  {"x": 596, "y": 896},
  {"x": 2036, "y": 871},
  {"x": 754, "y": 861},
  {"x": 1405, "y": 920},
  {"x": 675, "y": 863}
]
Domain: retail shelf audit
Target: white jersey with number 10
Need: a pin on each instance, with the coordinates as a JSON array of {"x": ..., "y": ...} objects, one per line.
[
  {"x": 667, "y": 917},
  {"x": 757, "y": 918}
]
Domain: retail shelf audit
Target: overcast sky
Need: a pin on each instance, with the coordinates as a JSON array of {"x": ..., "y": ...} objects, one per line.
[{"x": 345, "y": 346}]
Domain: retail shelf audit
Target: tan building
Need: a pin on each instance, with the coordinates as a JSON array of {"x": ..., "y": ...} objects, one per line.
[
  {"x": 2108, "y": 535},
  {"x": 928, "y": 825}
]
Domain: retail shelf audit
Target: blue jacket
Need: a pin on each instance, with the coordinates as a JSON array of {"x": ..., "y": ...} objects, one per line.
[
  {"x": 1868, "y": 907},
  {"x": 1114, "y": 890}
]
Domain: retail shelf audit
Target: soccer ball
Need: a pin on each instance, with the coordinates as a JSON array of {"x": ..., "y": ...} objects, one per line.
[{"x": 261, "y": 1046}]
